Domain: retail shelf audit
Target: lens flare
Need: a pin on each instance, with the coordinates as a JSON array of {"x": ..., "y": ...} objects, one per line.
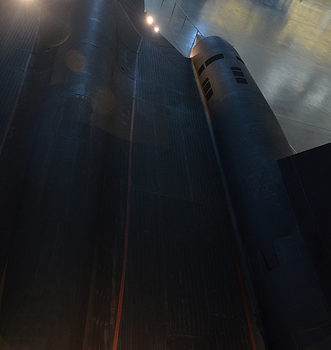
[{"x": 150, "y": 20}]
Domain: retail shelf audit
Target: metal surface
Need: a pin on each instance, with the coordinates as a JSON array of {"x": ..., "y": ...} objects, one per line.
[
  {"x": 296, "y": 313},
  {"x": 19, "y": 24},
  {"x": 183, "y": 290},
  {"x": 306, "y": 176},
  {"x": 113, "y": 215},
  {"x": 286, "y": 46},
  {"x": 51, "y": 181},
  {"x": 115, "y": 231}
]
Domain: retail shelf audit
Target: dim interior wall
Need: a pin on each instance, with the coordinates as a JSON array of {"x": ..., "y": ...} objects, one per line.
[
  {"x": 65, "y": 187},
  {"x": 52, "y": 180},
  {"x": 18, "y": 32}
]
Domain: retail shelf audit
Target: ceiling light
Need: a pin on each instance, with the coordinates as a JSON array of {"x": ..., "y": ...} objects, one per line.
[{"x": 150, "y": 20}]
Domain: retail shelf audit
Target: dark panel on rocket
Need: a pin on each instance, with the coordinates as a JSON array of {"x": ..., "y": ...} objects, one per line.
[{"x": 307, "y": 178}]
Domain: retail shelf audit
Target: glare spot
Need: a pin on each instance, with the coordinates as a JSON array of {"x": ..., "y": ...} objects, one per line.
[
  {"x": 150, "y": 20},
  {"x": 156, "y": 29},
  {"x": 75, "y": 61}
]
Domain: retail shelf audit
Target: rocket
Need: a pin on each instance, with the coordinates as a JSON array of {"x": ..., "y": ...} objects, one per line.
[{"x": 249, "y": 142}]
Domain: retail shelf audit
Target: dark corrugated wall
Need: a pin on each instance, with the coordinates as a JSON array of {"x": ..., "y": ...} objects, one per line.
[
  {"x": 52, "y": 178},
  {"x": 182, "y": 287},
  {"x": 64, "y": 189},
  {"x": 18, "y": 29}
]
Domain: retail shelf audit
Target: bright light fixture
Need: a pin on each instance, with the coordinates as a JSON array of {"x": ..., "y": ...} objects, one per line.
[
  {"x": 156, "y": 29},
  {"x": 150, "y": 20}
]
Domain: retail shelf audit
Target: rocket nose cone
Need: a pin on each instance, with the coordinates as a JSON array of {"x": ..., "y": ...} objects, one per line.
[
  {"x": 197, "y": 39},
  {"x": 210, "y": 43}
]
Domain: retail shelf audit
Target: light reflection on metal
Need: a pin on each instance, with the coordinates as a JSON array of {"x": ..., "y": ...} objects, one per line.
[{"x": 285, "y": 43}]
